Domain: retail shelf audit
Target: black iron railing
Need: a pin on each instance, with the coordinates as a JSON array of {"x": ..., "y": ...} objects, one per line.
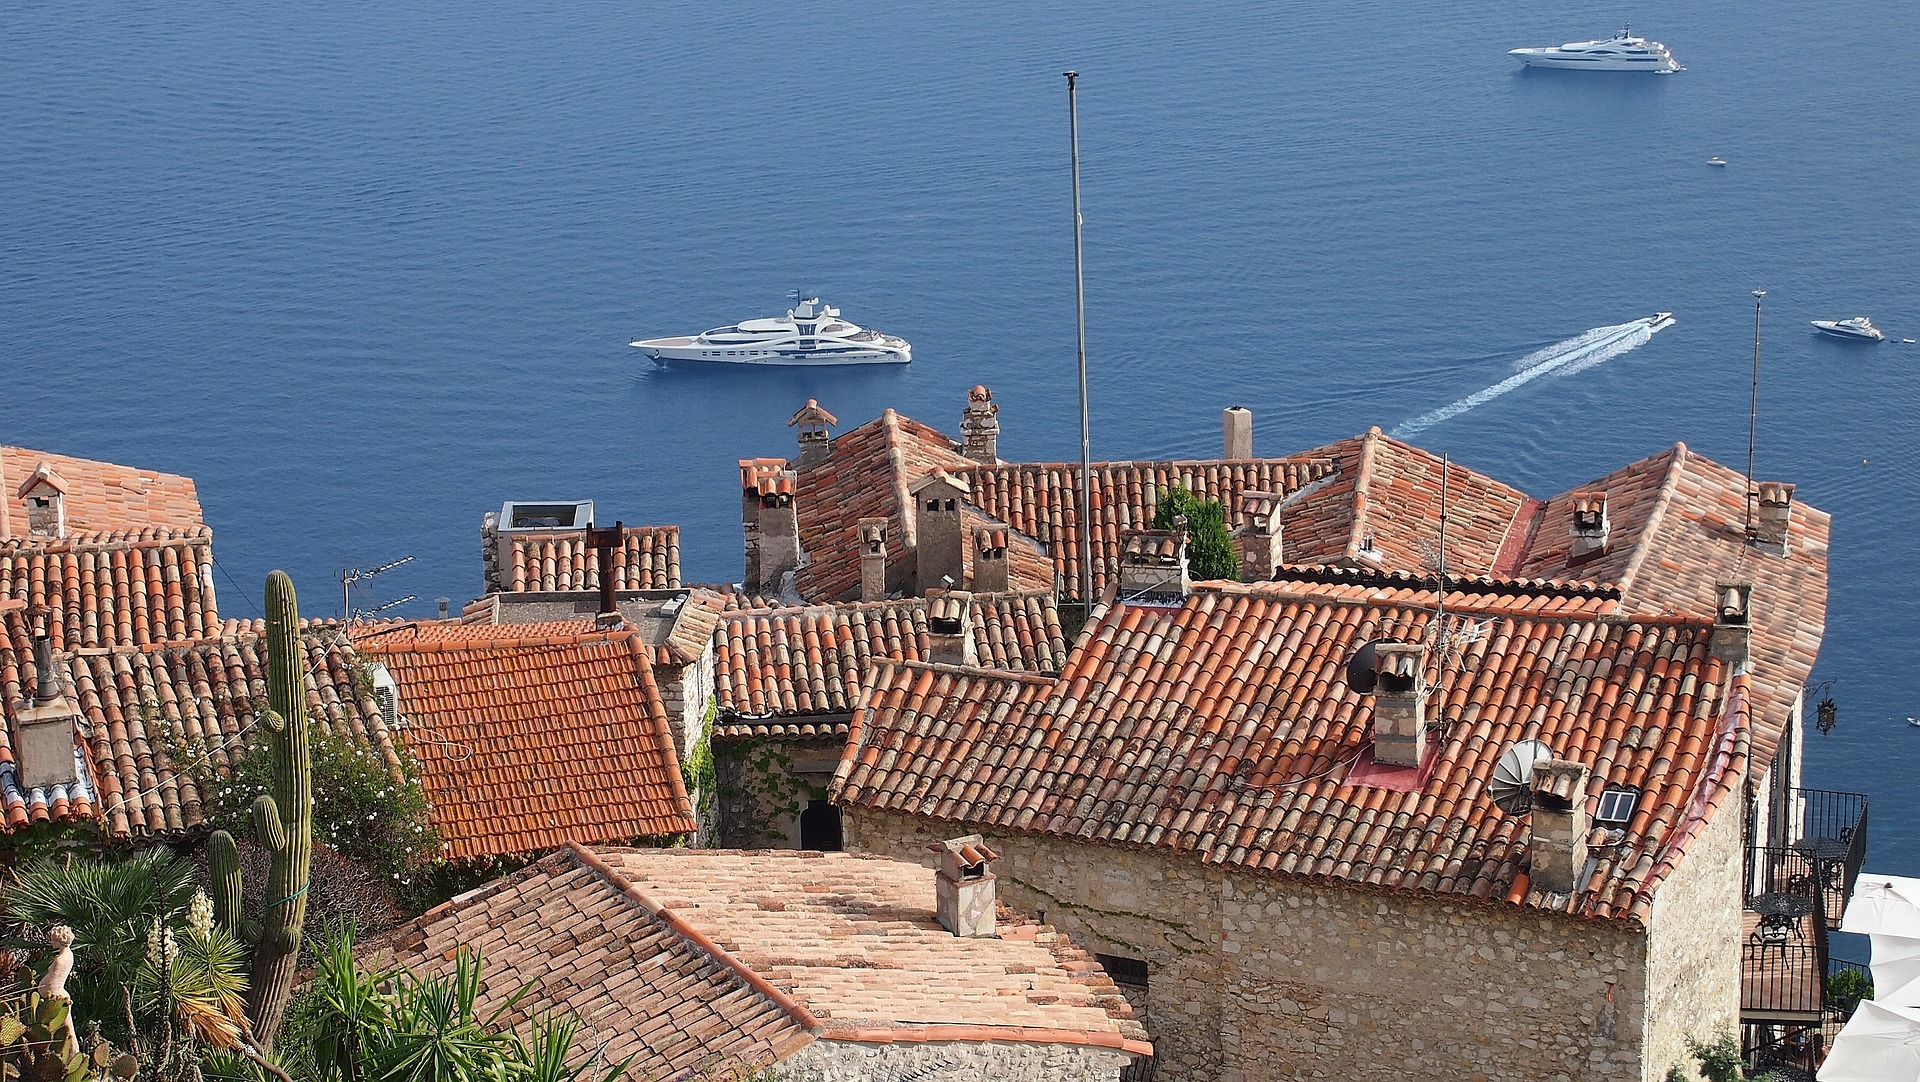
[
  {"x": 1788, "y": 1052},
  {"x": 1833, "y": 832},
  {"x": 1847, "y": 984}
]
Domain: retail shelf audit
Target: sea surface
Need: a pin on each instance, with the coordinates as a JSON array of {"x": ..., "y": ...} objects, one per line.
[{"x": 367, "y": 270}]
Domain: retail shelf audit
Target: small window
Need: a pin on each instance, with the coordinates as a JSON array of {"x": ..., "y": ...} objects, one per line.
[
  {"x": 1617, "y": 805},
  {"x": 1131, "y": 971}
]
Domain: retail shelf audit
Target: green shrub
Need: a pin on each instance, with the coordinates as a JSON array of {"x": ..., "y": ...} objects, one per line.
[{"x": 1210, "y": 551}]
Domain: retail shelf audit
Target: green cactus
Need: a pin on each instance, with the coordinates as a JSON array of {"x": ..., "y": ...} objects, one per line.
[
  {"x": 34, "y": 1043},
  {"x": 282, "y": 823}
]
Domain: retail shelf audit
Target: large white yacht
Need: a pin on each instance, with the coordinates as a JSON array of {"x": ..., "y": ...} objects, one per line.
[
  {"x": 1620, "y": 53},
  {"x": 1857, "y": 329},
  {"x": 810, "y": 334}
]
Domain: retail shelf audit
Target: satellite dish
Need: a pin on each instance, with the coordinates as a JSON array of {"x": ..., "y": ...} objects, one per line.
[
  {"x": 1512, "y": 786},
  {"x": 1360, "y": 675}
]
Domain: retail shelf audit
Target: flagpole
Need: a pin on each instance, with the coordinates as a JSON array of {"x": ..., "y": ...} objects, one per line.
[{"x": 1080, "y": 304}]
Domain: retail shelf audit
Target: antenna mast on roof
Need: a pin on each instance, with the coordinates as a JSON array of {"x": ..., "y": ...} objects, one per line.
[
  {"x": 1080, "y": 305},
  {"x": 350, "y": 576},
  {"x": 1440, "y": 594},
  {"x": 1753, "y": 409}
]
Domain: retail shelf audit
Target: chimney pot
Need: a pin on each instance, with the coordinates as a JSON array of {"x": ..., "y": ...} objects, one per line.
[
  {"x": 1258, "y": 537},
  {"x": 937, "y": 500},
  {"x": 1587, "y": 536},
  {"x": 963, "y": 886},
  {"x": 1237, "y": 433},
  {"x": 1153, "y": 564},
  {"x": 816, "y": 439},
  {"x": 980, "y": 426},
  {"x": 990, "y": 560},
  {"x": 1775, "y": 519},
  {"x": 779, "y": 534},
  {"x": 1399, "y": 703},
  {"x": 950, "y": 629},
  {"x": 1557, "y": 824},
  {"x": 873, "y": 559},
  {"x": 1732, "y": 623},
  {"x": 43, "y": 727}
]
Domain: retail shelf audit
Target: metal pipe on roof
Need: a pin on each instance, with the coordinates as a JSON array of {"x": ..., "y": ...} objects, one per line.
[{"x": 1080, "y": 307}]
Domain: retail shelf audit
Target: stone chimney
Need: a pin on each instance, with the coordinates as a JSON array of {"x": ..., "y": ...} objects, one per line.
[
  {"x": 1258, "y": 537},
  {"x": 1732, "y": 622},
  {"x": 1399, "y": 703},
  {"x": 1775, "y": 516},
  {"x": 779, "y": 527},
  {"x": 980, "y": 427},
  {"x": 1236, "y": 424},
  {"x": 1153, "y": 565},
  {"x": 1587, "y": 537},
  {"x": 816, "y": 442},
  {"x": 43, "y": 727},
  {"x": 937, "y": 499},
  {"x": 950, "y": 629},
  {"x": 963, "y": 886},
  {"x": 605, "y": 543},
  {"x": 1557, "y": 845},
  {"x": 873, "y": 559},
  {"x": 752, "y": 471},
  {"x": 45, "y": 495},
  {"x": 990, "y": 560}
]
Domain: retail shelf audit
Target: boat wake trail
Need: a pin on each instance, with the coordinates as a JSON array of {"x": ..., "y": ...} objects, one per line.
[{"x": 1576, "y": 354}]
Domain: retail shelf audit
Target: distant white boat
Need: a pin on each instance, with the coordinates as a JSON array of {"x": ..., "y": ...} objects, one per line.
[
  {"x": 1857, "y": 329},
  {"x": 1717, "y": 161},
  {"x": 1622, "y": 52},
  {"x": 811, "y": 334}
]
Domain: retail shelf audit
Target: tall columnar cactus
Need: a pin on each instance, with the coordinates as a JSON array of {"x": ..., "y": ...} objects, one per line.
[{"x": 282, "y": 823}]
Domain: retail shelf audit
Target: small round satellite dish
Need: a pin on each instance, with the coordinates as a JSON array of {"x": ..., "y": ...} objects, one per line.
[
  {"x": 1360, "y": 675},
  {"x": 1512, "y": 785}
]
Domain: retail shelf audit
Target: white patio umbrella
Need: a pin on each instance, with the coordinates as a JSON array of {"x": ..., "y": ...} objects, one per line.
[
  {"x": 1884, "y": 905},
  {"x": 1896, "y": 970},
  {"x": 1879, "y": 1044}
]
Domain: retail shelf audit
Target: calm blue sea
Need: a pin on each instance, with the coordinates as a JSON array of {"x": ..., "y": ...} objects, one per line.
[{"x": 365, "y": 270}]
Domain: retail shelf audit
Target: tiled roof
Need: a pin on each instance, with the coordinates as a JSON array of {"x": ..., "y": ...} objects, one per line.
[
  {"x": 597, "y": 950},
  {"x": 533, "y": 735},
  {"x": 103, "y": 590},
  {"x": 99, "y": 497},
  {"x": 676, "y": 625},
  {"x": 865, "y": 476},
  {"x": 561, "y": 560},
  {"x": 207, "y": 691},
  {"x": 776, "y": 667},
  {"x": 1223, "y": 728}
]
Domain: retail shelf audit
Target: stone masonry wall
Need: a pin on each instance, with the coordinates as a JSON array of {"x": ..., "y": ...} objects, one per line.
[
  {"x": 1693, "y": 951},
  {"x": 951, "y": 1061},
  {"x": 686, "y": 692},
  {"x": 1256, "y": 977}
]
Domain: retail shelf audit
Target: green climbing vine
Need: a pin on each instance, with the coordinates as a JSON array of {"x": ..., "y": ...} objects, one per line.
[
  {"x": 697, "y": 772},
  {"x": 759, "y": 794}
]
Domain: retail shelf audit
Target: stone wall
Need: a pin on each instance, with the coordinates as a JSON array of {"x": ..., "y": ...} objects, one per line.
[
  {"x": 951, "y": 1061},
  {"x": 1693, "y": 949},
  {"x": 1258, "y": 977},
  {"x": 686, "y": 691},
  {"x": 765, "y": 784}
]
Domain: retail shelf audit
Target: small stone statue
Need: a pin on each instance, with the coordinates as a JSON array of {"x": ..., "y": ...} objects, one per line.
[{"x": 54, "y": 984}]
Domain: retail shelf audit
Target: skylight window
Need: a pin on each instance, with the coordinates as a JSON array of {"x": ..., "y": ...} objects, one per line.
[{"x": 1617, "y": 805}]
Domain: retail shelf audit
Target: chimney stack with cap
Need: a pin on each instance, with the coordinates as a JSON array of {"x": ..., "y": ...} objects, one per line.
[
  {"x": 779, "y": 527},
  {"x": 43, "y": 727},
  {"x": 938, "y": 556},
  {"x": 1587, "y": 537},
  {"x": 1153, "y": 564},
  {"x": 605, "y": 543},
  {"x": 990, "y": 560},
  {"x": 1732, "y": 622},
  {"x": 1258, "y": 537},
  {"x": 963, "y": 886},
  {"x": 751, "y": 471},
  {"x": 1399, "y": 703},
  {"x": 873, "y": 559},
  {"x": 1236, "y": 424},
  {"x": 980, "y": 427},
  {"x": 1776, "y": 516},
  {"x": 950, "y": 629},
  {"x": 1558, "y": 825},
  {"x": 816, "y": 442}
]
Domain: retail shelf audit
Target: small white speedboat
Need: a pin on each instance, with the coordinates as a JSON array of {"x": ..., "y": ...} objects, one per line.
[
  {"x": 1857, "y": 329},
  {"x": 1717, "y": 161}
]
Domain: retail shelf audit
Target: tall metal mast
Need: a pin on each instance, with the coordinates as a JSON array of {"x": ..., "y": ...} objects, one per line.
[
  {"x": 1753, "y": 410},
  {"x": 1080, "y": 305}
]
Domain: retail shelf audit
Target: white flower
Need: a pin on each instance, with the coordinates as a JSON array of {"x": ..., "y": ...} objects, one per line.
[
  {"x": 200, "y": 915},
  {"x": 160, "y": 944}
]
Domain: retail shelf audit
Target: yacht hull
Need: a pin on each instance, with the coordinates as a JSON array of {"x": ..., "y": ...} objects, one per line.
[
  {"x": 765, "y": 358},
  {"x": 1542, "y": 59},
  {"x": 1846, "y": 334}
]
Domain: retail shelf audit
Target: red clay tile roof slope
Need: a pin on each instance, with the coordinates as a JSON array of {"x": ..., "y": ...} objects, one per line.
[
  {"x": 599, "y": 951},
  {"x": 100, "y": 497},
  {"x": 853, "y": 941},
  {"x": 530, "y": 736},
  {"x": 774, "y": 665},
  {"x": 555, "y": 560},
  {"x": 1224, "y": 728},
  {"x": 206, "y": 692},
  {"x": 135, "y": 588},
  {"x": 865, "y": 475}
]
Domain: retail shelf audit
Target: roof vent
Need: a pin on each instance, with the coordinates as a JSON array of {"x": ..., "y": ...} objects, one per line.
[
  {"x": 963, "y": 886},
  {"x": 575, "y": 515}
]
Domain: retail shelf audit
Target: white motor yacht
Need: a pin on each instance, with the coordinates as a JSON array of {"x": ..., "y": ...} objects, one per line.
[
  {"x": 1620, "y": 53},
  {"x": 1857, "y": 329},
  {"x": 811, "y": 334}
]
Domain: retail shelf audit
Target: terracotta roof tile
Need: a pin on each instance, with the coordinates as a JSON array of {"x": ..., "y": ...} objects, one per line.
[
  {"x": 533, "y": 735},
  {"x": 99, "y": 497},
  {"x": 548, "y": 560},
  {"x": 1224, "y": 728},
  {"x": 103, "y": 590}
]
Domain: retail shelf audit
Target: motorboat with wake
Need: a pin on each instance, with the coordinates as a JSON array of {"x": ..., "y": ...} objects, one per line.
[
  {"x": 811, "y": 334},
  {"x": 1857, "y": 329},
  {"x": 1622, "y": 52}
]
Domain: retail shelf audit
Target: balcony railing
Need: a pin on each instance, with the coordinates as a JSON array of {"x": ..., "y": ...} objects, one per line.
[
  {"x": 1786, "y": 1052},
  {"x": 1832, "y": 831}
]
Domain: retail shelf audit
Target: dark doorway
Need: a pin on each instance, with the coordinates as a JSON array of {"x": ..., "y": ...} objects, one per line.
[{"x": 820, "y": 827}]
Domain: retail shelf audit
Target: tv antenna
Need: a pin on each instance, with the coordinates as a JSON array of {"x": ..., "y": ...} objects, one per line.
[
  {"x": 352, "y": 575},
  {"x": 1753, "y": 410}
]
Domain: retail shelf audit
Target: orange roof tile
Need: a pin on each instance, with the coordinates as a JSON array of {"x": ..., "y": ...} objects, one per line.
[
  {"x": 1224, "y": 728},
  {"x": 533, "y": 735},
  {"x": 548, "y": 560},
  {"x": 103, "y": 590},
  {"x": 99, "y": 497}
]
